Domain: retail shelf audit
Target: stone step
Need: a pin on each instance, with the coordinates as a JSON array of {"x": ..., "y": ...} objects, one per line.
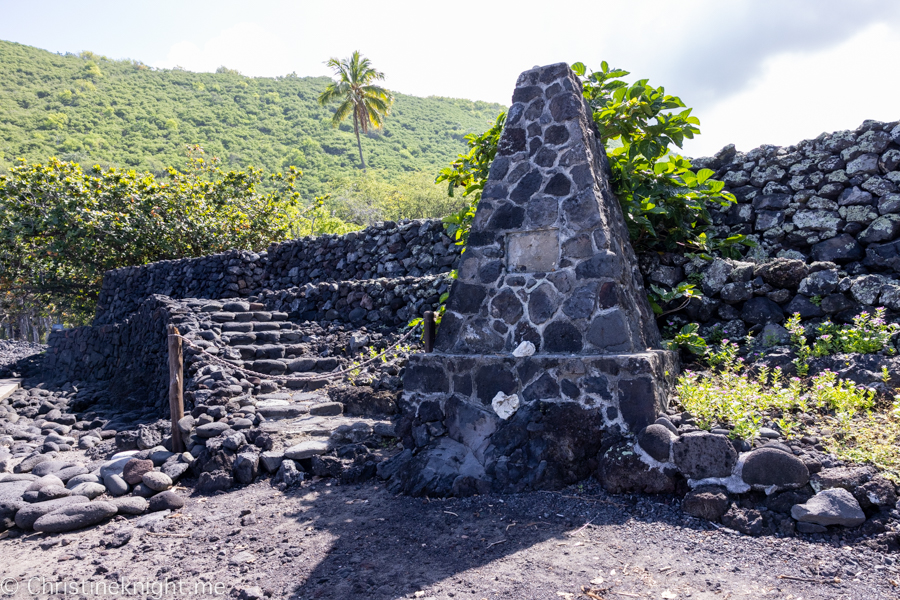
[
  {"x": 297, "y": 365},
  {"x": 259, "y": 316},
  {"x": 257, "y": 326}
]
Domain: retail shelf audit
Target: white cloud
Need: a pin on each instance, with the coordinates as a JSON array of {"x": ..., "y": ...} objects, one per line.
[
  {"x": 247, "y": 47},
  {"x": 802, "y": 94}
]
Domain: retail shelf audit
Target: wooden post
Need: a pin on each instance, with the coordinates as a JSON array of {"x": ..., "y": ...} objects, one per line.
[
  {"x": 176, "y": 387},
  {"x": 429, "y": 328}
]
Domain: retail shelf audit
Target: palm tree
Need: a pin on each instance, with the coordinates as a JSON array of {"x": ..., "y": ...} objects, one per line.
[{"x": 370, "y": 104}]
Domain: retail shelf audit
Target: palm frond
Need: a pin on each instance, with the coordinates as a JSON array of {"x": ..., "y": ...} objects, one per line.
[{"x": 344, "y": 110}]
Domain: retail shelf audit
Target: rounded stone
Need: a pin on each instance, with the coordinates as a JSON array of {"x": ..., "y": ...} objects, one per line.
[
  {"x": 211, "y": 430},
  {"x": 79, "y": 479},
  {"x": 51, "y": 492},
  {"x": 27, "y": 515},
  {"x": 91, "y": 490},
  {"x": 166, "y": 501},
  {"x": 116, "y": 485},
  {"x": 142, "y": 490},
  {"x": 45, "y": 481},
  {"x": 699, "y": 455},
  {"x": 130, "y": 505},
  {"x": 766, "y": 467},
  {"x": 134, "y": 470},
  {"x": 656, "y": 441},
  {"x": 156, "y": 481},
  {"x": 76, "y": 516}
]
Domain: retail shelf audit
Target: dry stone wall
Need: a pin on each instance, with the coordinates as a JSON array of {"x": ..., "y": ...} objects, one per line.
[
  {"x": 386, "y": 250},
  {"x": 825, "y": 214}
]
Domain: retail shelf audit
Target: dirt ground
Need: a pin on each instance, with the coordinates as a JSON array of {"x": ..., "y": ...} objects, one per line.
[{"x": 324, "y": 540}]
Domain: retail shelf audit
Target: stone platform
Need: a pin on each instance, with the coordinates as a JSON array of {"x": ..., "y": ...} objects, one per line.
[{"x": 629, "y": 390}]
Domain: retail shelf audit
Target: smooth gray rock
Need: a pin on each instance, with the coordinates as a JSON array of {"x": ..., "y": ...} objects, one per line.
[
  {"x": 143, "y": 491},
  {"x": 130, "y": 505},
  {"x": 160, "y": 456},
  {"x": 156, "y": 481},
  {"x": 69, "y": 472},
  {"x": 116, "y": 485},
  {"x": 74, "y": 517},
  {"x": 11, "y": 501},
  {"x": 45, "y": 481},
  {"x": 306, "y": 449},
  {"x": 51, "y": 492},
  {"x": 49, "y": 467},
  {"x": 211, "y": 430},
  {"x": 27, "y": 515},
  {"x": 168, "y": 500},
  {"x": 86, "y": 478},
  {"x": 836, "y": 506},
  {"x": 284, "y": 411},
  {"x": 91, "y": 490},
  {"x": 31, "y": 462}
]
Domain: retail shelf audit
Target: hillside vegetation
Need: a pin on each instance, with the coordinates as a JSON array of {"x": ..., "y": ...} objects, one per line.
[{"x": 90, "y": 109}]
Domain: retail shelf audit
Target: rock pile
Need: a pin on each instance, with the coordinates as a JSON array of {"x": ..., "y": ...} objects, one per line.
[
  {"x": 773, "y": 486},
  {"x": 71, "y": 469}
]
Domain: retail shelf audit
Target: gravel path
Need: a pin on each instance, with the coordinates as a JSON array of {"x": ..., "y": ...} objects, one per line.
[{"x": 329, "y": 541}]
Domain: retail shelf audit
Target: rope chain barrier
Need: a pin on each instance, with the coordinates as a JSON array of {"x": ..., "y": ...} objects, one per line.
[{"x": 299, "y": 377}]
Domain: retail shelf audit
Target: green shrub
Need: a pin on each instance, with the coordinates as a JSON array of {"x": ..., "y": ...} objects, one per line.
[{"x": 731, "y": 396}]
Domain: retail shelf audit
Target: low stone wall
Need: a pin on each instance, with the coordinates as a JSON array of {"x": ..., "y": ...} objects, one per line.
[
  {"x": 385, "y": 250},
  {"x": 131, "y": 355},
  {"x": 379, "y": 302}
]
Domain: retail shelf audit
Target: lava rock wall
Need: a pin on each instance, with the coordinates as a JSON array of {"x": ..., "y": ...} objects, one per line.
[
  {"x": 385, "y": 250},
  {"x": 825, "y": 214}
]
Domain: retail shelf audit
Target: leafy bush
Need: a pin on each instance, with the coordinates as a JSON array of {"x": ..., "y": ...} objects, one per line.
[
  {"x": 664, "y": 200},
  {"x": 470, "y": 172},
  {"x": 61, "y": 227}
]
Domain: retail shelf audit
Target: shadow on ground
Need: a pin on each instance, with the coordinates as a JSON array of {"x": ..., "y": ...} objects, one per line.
[{"x": 386, "y": 546}]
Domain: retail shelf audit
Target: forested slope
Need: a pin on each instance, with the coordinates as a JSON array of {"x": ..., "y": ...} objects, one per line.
[{"x": 91, "y": 109}]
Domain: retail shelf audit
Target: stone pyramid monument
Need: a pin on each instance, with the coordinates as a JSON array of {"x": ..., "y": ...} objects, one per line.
[{"x": 548, "y": 343}]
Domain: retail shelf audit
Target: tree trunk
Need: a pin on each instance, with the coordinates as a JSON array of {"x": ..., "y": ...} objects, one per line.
[{"x": 358, "y": 142}]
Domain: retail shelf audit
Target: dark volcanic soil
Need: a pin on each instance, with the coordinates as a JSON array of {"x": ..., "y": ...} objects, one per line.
[{"x": 323, "y": 540}]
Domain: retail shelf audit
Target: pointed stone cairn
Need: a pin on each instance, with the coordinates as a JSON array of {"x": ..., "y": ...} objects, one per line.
[{"x": 548, "y": 342}]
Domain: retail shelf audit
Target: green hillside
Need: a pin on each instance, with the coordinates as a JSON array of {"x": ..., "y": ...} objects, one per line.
[{"x": 91, "y": 109}]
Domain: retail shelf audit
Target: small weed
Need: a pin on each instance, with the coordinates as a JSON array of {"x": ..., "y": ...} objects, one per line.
[
  {"x": 868, "y": 334},
  {"x": 817, "y": 300},
  {"x": 732, "y": 396},
  {"x": 689, "y": 340}
]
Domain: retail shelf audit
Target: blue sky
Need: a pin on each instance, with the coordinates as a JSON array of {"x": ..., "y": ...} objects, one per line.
[{"x": 755, "y": 71}]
